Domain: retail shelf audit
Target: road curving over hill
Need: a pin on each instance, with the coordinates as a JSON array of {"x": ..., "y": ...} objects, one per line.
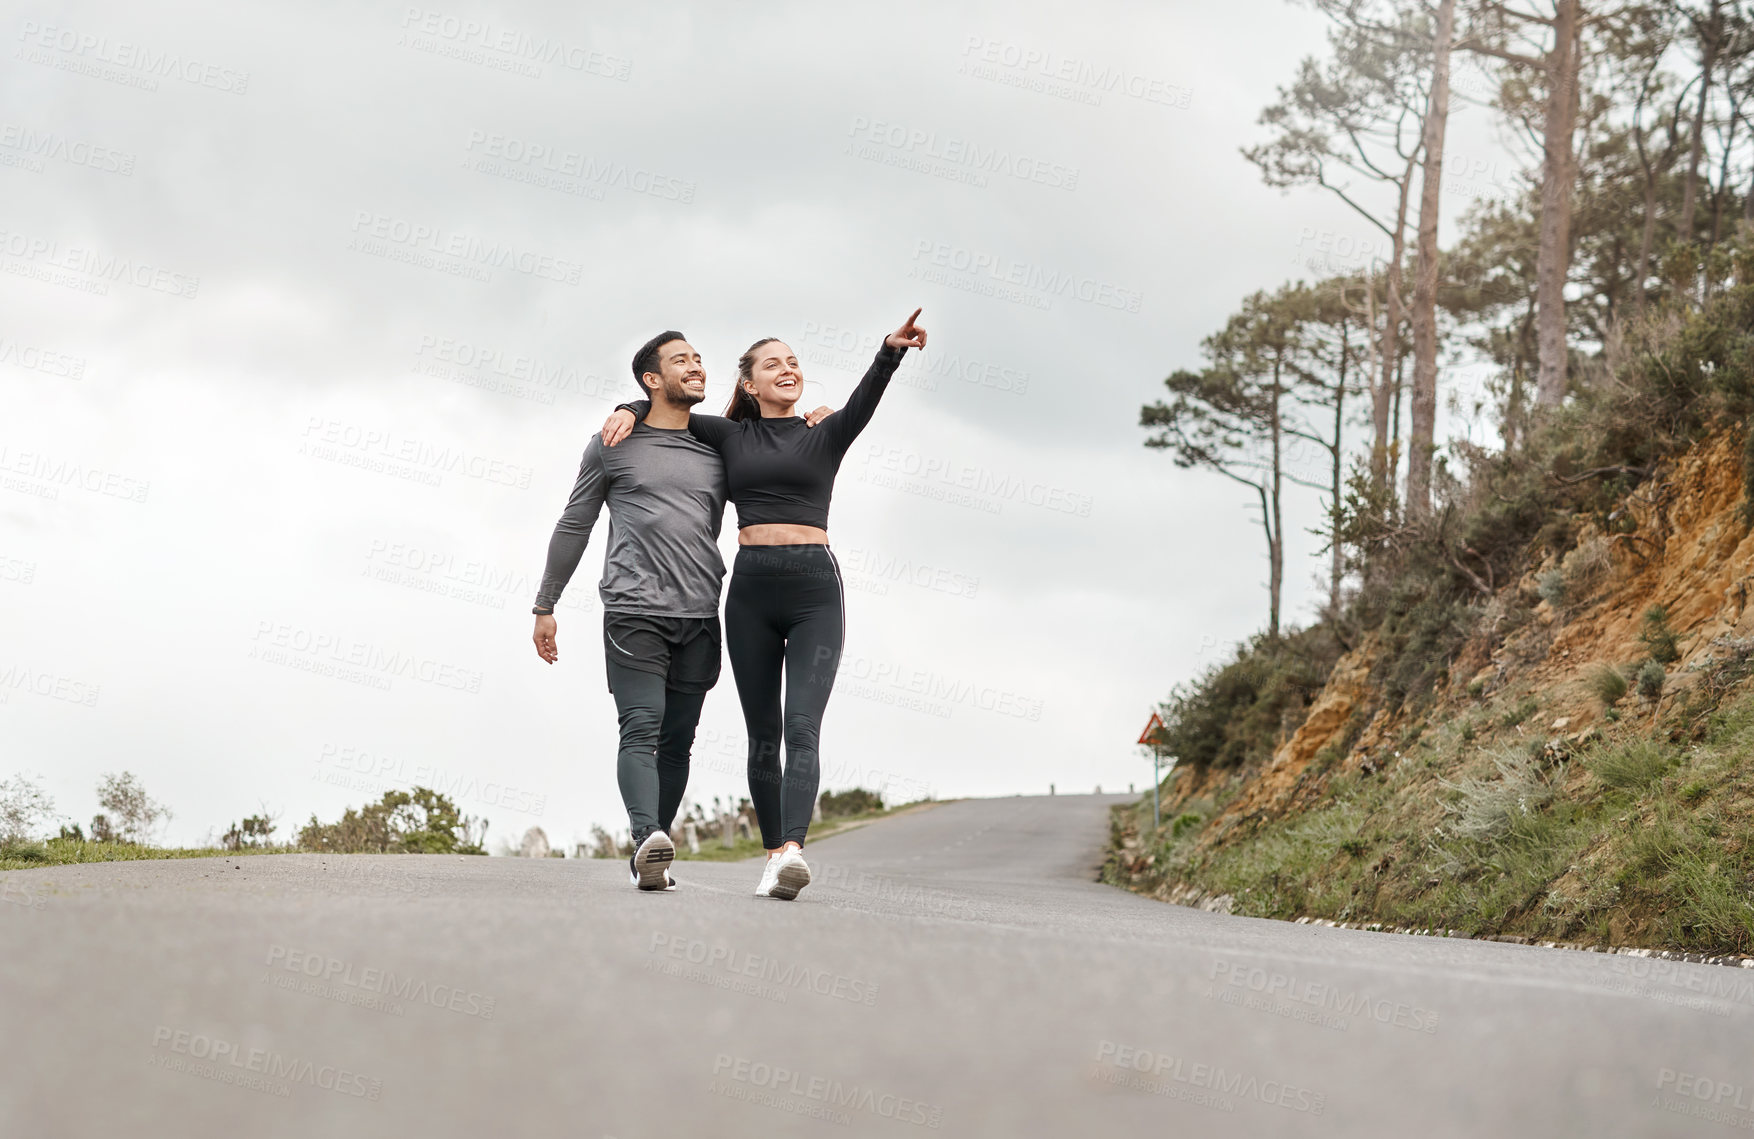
[{"x": 953, "y": 970}]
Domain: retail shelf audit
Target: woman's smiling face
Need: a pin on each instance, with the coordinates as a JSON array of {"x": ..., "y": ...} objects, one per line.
[{"x": 775, "y": 380}]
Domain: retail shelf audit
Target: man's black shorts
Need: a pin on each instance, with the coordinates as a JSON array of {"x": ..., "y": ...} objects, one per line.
[{"x": 682, "y": 650}]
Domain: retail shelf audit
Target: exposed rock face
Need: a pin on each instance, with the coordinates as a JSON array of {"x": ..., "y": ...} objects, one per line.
[
  {"x": 1680, "y": 543},
  {"x": 534, "y": 844},
  {"x": 1687, "y": 550},
  {"x": 1272, "y": 790}
]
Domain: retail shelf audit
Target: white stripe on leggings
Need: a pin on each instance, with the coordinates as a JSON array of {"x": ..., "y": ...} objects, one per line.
[{"x": 842, "y": 585}]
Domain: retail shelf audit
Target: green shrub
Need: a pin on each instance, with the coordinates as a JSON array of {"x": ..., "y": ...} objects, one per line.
[
  {"x": 1551, "y": 588},
  {"x": 1586, "y": 566},
  {"x": 1185, "y": 822},
  {"x": 420, "y": 821},
  {"x": 855, "y": 801},
  {"x": 1653, "y": 848},
  {"x": 1650, "y": 680},
  {"x": 1661, "y": 640},
  {"x": 23, "y": 850},
  {"x": 1528, "y": 707},
  {"x": 1608, "y": 683},
  {"x": 1236, "y": 713},
  {"x": 1631, "y": 765},
  {"x": 255, "y": 832},
  {"x": 1488, "y": 809},
  {"x": 1422, "y": 627},
  {"x": 1714, "y": 909}
]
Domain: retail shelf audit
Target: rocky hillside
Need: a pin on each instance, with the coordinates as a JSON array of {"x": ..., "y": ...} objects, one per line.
[{"x": 1578, "y": 771}]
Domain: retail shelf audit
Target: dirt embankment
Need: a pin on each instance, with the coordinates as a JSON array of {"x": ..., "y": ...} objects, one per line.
[{"x": 1531, "y": 674}]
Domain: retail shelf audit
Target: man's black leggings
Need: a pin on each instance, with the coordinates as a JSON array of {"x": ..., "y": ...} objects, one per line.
[
  {"x": 660, "y": 668},
  {"x": 657, "y": 732},
  {"x": 784, "y": 613}
]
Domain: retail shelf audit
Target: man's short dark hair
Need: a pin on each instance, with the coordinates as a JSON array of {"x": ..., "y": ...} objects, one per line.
[{"x": 646, "y": 359}]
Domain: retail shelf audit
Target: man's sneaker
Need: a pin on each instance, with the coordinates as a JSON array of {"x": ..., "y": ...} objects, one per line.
[
  {"x": 770, "y": 876},
  {"x": 669, "y": 882},
  {"x": 648, "y": 867},
  {"x": 791, "y": 875}
]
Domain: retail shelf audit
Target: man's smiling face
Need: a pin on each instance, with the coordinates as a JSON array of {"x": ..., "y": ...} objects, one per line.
[{"x": 681, "y": 375}]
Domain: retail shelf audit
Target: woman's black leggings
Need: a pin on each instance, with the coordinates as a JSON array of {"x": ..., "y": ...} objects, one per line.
[{"x": 784, "y": 612}]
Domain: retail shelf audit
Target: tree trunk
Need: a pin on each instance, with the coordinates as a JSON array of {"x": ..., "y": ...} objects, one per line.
[
  {"x": 1272, "y": 556},
  {"x": 1381, "y": 385},
  {"x": 1336, "y": 566},
  {"x": 1420, "y": 445},
  {"x": 1394, "y": 446},
  {"x": 1513, "y": 403},
  {"x": 1388, "y": 360},
  {"x": 1276, "y": 542},
  {"x": 1708, "y": 57},
  {"x": 1378, "y": 376},
  {"x": 1748, "y": 201},
  {"x": 1558, "y": 173},
  {"x": 1648, "y": 236},
  {"x": 1513, "y": 408},
  {"x": 1723, "y": 186}
]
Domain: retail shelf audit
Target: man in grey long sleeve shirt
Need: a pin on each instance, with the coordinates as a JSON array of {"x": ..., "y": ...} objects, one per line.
[{"x": 660, "y": 589}]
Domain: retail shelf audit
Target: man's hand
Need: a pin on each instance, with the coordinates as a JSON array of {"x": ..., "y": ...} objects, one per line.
[
  {"x": 909, "y": 335},
  {"x": 818, "y": 416},
  {"x": 545, "y": 629},
  {"x": 616, "y": 427}
]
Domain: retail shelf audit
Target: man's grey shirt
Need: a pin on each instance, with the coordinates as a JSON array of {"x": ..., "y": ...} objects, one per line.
[{"x": 666, "y": 496}]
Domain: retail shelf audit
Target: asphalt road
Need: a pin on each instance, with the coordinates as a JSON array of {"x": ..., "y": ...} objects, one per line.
[{"x": 955, "y": 970}]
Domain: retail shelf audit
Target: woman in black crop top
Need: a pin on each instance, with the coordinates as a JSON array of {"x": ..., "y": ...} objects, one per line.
[{"x": 784, "y": 613}]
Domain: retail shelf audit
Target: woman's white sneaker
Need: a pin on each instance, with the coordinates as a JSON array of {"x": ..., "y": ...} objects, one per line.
[
  {"x": 790, "y": 876},
  {"x": 770, "y": 876}
]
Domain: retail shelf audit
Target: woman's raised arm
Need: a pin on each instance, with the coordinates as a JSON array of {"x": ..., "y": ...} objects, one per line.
[{"x": 862, "y": 404}]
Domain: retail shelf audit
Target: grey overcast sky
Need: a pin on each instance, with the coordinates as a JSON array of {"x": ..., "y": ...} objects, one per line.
[{"x": 308, "y": 310}]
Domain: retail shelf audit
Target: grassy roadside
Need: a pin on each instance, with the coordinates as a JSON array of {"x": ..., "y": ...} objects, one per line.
[
  {"x": 69, "y": 851},
  {"x": 1630, "y": 840},
  {"x": 72, "y": 851},
  {"x": 712, "y": 851}
]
